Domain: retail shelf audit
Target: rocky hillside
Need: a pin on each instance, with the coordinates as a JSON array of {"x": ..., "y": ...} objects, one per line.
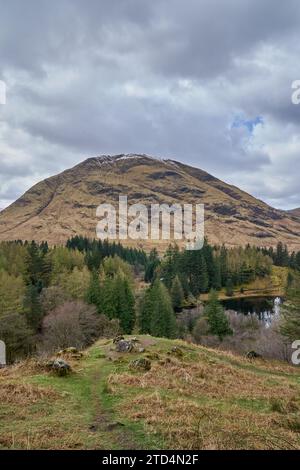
[
  {"x": 163, "y": 394},
  {"x": 295, "y": 212},
  {"x": 65, "y": 205}
]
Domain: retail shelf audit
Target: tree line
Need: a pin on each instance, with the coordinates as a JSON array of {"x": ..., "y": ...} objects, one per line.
[{"x": 100, "y": 282}]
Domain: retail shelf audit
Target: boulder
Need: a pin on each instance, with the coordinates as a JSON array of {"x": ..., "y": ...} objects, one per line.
[
  {"x": 123, "y": 346},
  {"x": 61, "y": 367},
  {"x": 253, "y": 355},
  {"x": 141, "y": 364}
]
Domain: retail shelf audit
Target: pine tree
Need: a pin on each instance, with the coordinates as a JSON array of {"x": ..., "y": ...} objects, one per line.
[
  {"x": 93, "y": 295},
  {"x": 209, "y": 261},
  {"x": 36, "y": 271},
  {"x": 145, "y": 312},
  {"x": 216, "y": 281},
  {"x": 109, "y": 304},
  {"x": 125, "y": 304},
  {"x": 163, "y": 322},
  {"x": 194, "y": 274},
  {"x": 177, "y": 294},
  {"x": 32, "y": 308},
  {"x": 223, "y": 265},
  {"x": 229, "y": 288},
  {"x": 216, "y": 318},
  {"x": 203, "y": 275},
  {"x": 151, "y": 266},
  {"x": 289, "y": 281}
]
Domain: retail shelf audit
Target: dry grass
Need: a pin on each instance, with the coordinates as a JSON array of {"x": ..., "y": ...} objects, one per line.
[
  {"x": 25, "y": 368},
  {"x": 210, "y": 380},
  {"x": 218, "y": 401},
  {"x": 23, "y": 394},
  {"x": 206, "y": 399},
  {"x": 188, "y": 425},
  {"x": 45, "y": 438}
]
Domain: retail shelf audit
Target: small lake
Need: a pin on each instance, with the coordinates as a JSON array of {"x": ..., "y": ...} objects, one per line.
[{"x": 253, "y": 305}]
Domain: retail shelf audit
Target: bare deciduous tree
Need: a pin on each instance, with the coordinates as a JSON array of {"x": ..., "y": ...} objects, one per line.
[{"x": 74, "y": 324}]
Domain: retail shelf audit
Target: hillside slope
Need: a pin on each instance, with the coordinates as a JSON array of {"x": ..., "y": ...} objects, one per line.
[
  {"x": 295, "y": 212},
  {"x": 65, "y": 205},
  {"x": 192, "y": 398}
]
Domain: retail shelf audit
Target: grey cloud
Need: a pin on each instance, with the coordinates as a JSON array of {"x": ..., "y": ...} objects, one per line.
[{"x": 164, "y": 78}]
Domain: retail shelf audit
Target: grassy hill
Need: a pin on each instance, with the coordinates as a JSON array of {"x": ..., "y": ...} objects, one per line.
[{"x": 202, "y": 399}]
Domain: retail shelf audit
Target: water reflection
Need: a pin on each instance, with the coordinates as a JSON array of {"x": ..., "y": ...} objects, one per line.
[{"x": 265, "y": 308}]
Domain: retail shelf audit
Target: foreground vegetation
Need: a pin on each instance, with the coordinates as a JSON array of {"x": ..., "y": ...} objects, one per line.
[{"x": 192, "y": 398}]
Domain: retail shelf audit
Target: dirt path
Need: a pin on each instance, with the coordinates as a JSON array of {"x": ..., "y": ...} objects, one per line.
[{"x": 103, "y": 421}]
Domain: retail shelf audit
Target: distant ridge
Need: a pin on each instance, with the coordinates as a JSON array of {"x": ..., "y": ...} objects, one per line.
[{"x": 295, "y": 212}]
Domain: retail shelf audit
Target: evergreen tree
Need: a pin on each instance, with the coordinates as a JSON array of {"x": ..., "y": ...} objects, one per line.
[
  {"x": 109, "y": 304},
  {"x": 223, "y": 265},
  {"x": 289, "y": 281},
  {"x": 216, "y": 281},
  {"x": 297, "y": 260},
  {"x": 156, "y": 315},
  {"x": 207, "y": 252},
  {"x": 125, "y": 303},
  {"x": 163, "y": 322},
  {"x": 216, "y": 318},
  {"x": 281, "y": 255},
  {"x": 151, "y": 266},
  {"x": 229, "y": 288},
  {"x": 145, "y": 312},
  {"x": 36, "y": 272},
  {"x": 177, "y": 294},
  {"x": 32, "y": 308},
  {"x": 199, "y": 279},
  {"x": 203, "y": 275},
  {"x": 117, "y": 300},
  {"x": 93, "y": 295}
]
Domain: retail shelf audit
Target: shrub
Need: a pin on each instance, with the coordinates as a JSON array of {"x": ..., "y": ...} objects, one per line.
[
  {"x": 74, "y": 324},
  {"x": 51, "y": 298}
]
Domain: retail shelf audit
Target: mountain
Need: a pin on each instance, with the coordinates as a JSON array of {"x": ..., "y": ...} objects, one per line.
[{"x": 65, "y": 205}]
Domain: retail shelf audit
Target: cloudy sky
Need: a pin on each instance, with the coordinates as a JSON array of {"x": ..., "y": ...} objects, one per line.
[{"x": 206, "y": 82}]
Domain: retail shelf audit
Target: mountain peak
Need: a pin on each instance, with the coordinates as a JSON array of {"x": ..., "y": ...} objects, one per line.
[{"x": 107, "y": 159}]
